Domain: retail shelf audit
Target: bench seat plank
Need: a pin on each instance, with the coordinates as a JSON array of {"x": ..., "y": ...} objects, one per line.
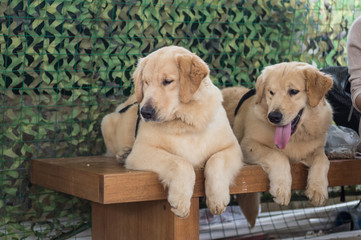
[
  {"x": 132, "y": 204},
  {"x": 103, "y": 180}
]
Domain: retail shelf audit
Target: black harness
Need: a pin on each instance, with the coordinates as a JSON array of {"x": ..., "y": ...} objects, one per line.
[
  {"x": 123, "y": 110},
  {"x": 138, "y": 120},
  {"x": 248, "y": 94}
]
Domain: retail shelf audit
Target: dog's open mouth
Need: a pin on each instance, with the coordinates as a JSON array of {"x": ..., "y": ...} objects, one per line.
[{"x": 283, "y": 133}]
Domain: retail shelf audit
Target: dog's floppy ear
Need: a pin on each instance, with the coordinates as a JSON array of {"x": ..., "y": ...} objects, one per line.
[
  {"x": 317, "y": 85},
  {"x": 137, "y": 79},
  {"x": 259, "y": 88},
  {"x": 192, "y": 70}
]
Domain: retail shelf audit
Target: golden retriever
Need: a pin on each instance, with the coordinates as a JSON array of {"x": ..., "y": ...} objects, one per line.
[
  {"x": 286, "y": 120},
  {"x": 183, "y": 126}
]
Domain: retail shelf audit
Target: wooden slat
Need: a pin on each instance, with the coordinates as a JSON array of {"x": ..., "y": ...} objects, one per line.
[{"x": 103, "y": 180}]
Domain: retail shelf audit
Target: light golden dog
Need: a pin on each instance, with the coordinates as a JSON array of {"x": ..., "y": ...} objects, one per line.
[
  {"x": 183, "y": 126},
  {"x": 285, "y": 121}
]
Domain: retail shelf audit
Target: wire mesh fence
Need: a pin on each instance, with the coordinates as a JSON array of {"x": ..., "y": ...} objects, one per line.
[
  {"x": 66, "y": 63},
  {"x": 298, "y": 220}
]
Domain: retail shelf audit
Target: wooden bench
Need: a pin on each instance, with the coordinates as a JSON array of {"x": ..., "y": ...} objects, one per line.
[{"x": 133, "y": 204}]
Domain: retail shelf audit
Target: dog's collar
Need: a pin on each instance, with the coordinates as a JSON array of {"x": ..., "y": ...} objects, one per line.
[
  {"x": 295, "y": 121},
  {"x": 248, "y": 94}
]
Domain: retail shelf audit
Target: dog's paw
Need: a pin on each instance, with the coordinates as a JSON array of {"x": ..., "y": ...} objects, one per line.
[
  {"x": 122, "y": 155},
  {"x": 180, "y": 202},
  {"x": 180, "y": 207},
  {"x": 217, "y": 205},
  {"x": 281, "y": 194},
  {"x": 180, "y": 189},
  {"x": 217, "y": 195},
  {"x": 316, "y": 196}
]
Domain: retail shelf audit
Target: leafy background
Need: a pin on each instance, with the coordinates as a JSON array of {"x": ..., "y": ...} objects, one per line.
[{"x": 66, "y": 63}]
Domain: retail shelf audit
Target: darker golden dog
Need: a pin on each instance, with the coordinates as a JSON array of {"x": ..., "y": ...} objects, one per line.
[{"x": 286, "y": 120}]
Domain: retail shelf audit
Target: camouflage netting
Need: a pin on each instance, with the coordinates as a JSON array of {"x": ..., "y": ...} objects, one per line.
[{"x": 66, "y": 63}]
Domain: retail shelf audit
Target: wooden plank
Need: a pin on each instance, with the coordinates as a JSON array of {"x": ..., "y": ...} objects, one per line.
[
  {"x": 103, "y": 180},
  {"x": 62, "y": 176},
  {"x": 252, "y": 178},
  {"x": 143, "y": 220},
  {"x": 344, "y": 172}
]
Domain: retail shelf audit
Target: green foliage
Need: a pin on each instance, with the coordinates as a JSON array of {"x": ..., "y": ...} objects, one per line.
[{"x": 64, "y": 64}]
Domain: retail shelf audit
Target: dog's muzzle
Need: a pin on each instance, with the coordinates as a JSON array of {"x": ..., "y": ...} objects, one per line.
[
  {"x": 148, "y": 113},
  {"x": 275, "y": 117},
  {"x": 283, "y": 132}
]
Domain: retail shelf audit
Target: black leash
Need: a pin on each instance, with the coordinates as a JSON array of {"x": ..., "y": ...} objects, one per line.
[{"x": 248, "y": 94}]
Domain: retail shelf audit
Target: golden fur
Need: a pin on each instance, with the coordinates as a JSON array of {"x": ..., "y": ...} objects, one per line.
[
  {"x": 183, "y": 127},
  {"x": 282, "y": 90},
  {"x": 118, "y": 129}
]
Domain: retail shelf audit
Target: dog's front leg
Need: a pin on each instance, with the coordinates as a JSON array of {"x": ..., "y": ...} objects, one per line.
[
  {"x": 279, "y": 174},
  {"x": 220, "y": 170},
  {"x": 275, "y": 164},
  {"x": 174, "y": 172},
  {"x": 317, "y": 181}
]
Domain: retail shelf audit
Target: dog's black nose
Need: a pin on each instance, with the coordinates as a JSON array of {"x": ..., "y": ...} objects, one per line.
[
  {"x": 147, "y": 112},
  {"x": 275, "y": 117}
]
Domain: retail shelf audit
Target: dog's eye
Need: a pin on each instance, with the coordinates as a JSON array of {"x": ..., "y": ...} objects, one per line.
[
  {"x": 271, "y": 92},
  {"x": 167, "y": 82},
  {"x": 146, "y": 83},
  {"x": 292, "y": 92}
]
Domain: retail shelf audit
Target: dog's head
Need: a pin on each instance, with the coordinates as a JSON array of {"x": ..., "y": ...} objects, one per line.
[
  {"x": 285, "y": 90},
  {"x": 166, "y": 78}
]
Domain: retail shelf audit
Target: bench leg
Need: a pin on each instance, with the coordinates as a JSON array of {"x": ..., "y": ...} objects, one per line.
[{"x": 143, "y": 220}]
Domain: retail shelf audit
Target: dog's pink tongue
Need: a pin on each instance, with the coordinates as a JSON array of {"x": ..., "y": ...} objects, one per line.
[{"x": 282, "y": 136}]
